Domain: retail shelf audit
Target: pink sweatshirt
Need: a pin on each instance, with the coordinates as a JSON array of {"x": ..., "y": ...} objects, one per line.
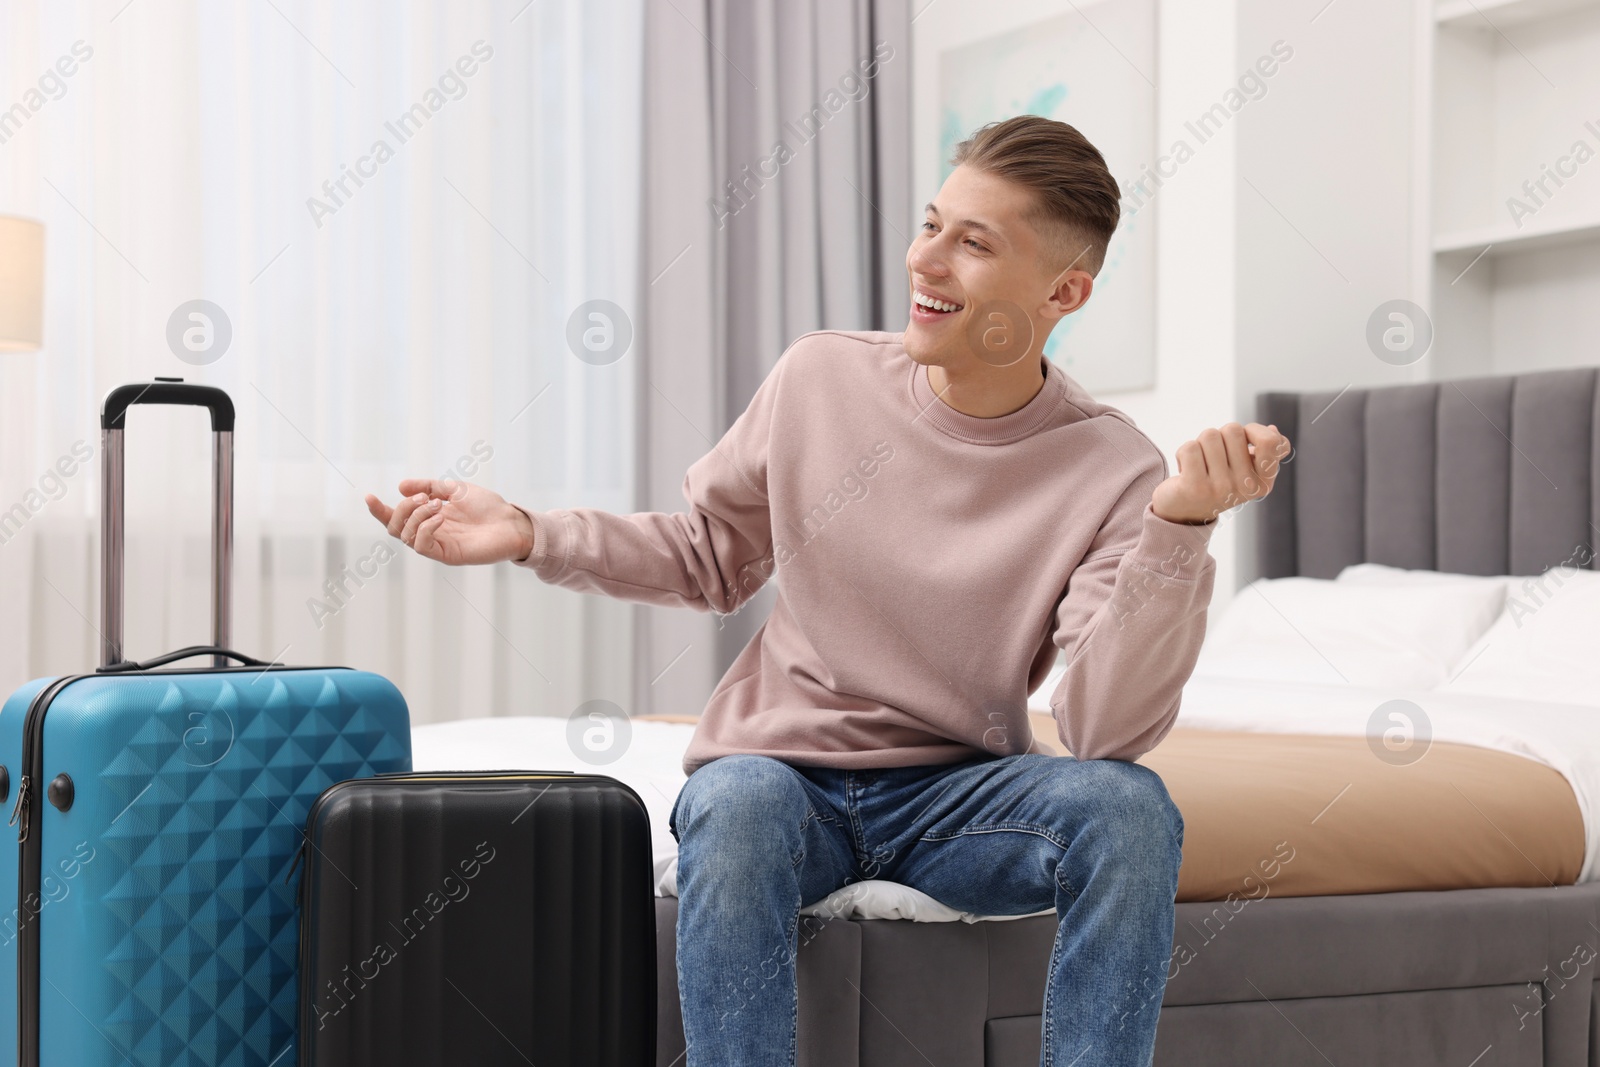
[{"x": 930, "y": 564}]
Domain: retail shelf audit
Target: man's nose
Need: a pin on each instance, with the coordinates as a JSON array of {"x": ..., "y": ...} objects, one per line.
[{"x": 927, "y": 258}]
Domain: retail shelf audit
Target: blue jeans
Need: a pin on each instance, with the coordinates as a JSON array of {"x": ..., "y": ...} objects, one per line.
[{"x": 1099, "y": 840}]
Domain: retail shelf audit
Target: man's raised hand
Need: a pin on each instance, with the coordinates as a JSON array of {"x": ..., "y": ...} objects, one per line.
[
  {"x": 1220, "y": 469},
  {"x": 455, "y": 523}
]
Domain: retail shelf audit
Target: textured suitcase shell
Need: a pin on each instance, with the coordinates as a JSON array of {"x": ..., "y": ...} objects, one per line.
[
  {"x": 166, "y": 923},
  {"x": 478, "y": 917}
]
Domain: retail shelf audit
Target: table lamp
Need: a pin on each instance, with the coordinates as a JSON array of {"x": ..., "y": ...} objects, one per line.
[{"x": 21, "y": 284}]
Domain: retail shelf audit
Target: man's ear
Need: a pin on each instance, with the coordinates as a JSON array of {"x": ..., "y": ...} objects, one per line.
[{"x": 1068, "y": 292}]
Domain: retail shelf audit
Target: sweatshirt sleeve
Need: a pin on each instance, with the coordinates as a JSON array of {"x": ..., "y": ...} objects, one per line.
[
  {"x": 1131, "y": 624},
  {"x": 712, "y": 557}
]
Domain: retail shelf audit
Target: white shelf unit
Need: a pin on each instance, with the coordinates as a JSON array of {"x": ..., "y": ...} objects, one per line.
[
  {"x": 1503, "y": 238},
  {"x": 1511, "y": 105},
  {"x": 1503, "y": 13}
]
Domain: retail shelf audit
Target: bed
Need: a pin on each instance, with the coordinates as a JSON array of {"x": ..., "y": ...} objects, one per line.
[{"x": 1388, "y": 763}]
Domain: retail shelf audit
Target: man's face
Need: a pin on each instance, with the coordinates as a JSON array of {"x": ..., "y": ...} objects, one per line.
[{"x": 977, "y": 250}]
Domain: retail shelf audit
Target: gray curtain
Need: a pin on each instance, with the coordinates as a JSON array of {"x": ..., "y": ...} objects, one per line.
[{"x": 777, "y": 200}]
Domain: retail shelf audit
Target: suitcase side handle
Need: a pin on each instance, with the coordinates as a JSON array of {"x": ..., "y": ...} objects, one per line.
[
  {"x": 184, "y": 653},
  {"x": 113, "y": 419}
]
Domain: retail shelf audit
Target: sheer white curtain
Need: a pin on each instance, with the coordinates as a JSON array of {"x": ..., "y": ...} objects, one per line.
[{"x": 398, "y": 208}]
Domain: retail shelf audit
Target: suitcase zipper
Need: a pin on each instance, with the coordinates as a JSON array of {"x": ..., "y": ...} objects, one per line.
[
  {"x": 414, "y": 776},
  {"x": 32, "y": 759},
  {"x": 21, "y": 810},
  {"x": 29, "y": 856},
  {"x": 426, "y": 776}
]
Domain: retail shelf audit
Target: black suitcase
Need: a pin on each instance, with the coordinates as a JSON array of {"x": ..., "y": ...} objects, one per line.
[{"x": 482, "y": 917}]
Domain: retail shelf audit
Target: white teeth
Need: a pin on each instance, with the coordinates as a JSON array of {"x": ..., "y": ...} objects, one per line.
[{"x": 929, "y": 302}]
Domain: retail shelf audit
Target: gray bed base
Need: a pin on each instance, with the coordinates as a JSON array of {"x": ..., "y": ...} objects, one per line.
[
  {"x": 1480, "y": 977},
  {"x": 1462, "y": 978}
]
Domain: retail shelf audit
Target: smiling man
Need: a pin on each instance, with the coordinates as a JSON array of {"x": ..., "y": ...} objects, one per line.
[{"x": 947, "y": 513}]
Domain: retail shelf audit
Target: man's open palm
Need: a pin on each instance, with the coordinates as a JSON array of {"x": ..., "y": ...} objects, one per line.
[
  {"x": 454, "y": 522},
  {"x": 1221, "y": 469}
]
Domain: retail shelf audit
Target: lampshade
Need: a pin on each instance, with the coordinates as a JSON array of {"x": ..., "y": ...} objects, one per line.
[{"x": 21, "y": 284}]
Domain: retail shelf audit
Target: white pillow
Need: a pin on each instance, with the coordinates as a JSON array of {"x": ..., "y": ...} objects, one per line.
[
  {"x": 1383, "y": 574},
  {"x": 1332, "y": 632},
  {"x": 1544, "y": 646}
]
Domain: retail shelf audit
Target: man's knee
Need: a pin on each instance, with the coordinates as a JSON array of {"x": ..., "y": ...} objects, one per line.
[
  {"x": 1136, "y": 799},
  {"x": 1119, "y": 802},
  {"x": 739, "y": 793}
]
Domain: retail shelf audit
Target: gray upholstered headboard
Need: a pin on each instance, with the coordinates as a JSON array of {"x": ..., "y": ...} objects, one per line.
[{"x": 1493, "y": 475}]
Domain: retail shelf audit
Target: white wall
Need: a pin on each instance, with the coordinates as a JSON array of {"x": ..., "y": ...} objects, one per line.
[
  {"x": 1290, "y": 220},
  {"x": 1195, "y": 375},
  {"x": 1290, "y": 224}
]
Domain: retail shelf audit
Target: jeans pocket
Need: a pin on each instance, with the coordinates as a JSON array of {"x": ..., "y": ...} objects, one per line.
[
  {"x": 672, "y": 817},
  {"x": 997, "y": 828},
  {"x": 800, "y": 849}
]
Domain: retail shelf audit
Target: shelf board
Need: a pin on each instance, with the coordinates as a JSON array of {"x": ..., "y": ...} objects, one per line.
[
  {"x": 1505, "y": 237},
  {"x": 1503, "y": 13}
]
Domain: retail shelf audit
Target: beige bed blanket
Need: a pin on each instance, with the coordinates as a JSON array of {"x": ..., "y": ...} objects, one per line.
[{"x": 1302, "y": 815}]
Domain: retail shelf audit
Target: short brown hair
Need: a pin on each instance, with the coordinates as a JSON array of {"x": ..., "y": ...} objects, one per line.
[{"x": 1078, "y": 202}]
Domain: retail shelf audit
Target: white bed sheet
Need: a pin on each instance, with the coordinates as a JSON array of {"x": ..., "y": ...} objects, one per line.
[
  {"x": 652, "y": 767},
  {"x": 1563, "y": 736}
]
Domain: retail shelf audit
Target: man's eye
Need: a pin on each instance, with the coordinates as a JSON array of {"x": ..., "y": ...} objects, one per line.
[
  {"x": 976, "y": 245},
  {"x": 928, "y": 226}
]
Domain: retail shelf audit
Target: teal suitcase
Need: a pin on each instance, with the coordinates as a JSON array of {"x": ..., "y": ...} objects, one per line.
[{"x": 159, "y": 808}]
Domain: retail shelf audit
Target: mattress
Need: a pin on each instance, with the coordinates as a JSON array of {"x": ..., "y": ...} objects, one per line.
[
  {"x": 1281, "y": 791},
  {"x": 1308, "y": 815},
  {"x": 1558, "y": 737}
]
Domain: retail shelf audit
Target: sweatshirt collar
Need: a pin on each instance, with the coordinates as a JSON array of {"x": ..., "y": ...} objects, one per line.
[{"x": 1002, "y": 429}]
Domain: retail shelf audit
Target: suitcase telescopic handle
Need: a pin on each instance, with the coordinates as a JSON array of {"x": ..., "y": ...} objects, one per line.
[{"x": 113, "y": 418}]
